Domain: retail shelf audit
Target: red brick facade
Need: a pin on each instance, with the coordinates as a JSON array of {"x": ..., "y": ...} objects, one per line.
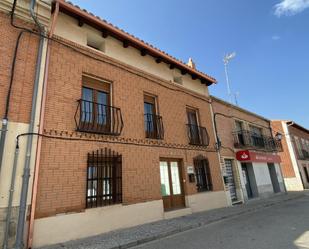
[
  {"x": 62, "y": 178},
  {"x": 286, "y": 164},
  {"x": 20, "y": 101}
]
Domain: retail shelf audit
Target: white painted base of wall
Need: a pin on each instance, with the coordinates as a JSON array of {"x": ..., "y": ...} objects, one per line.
[
  {"x": 207, "y": 201},
  {"x": 61, "y": 228},
  {"x": 293, "y": 184},
  {"x": 66, "y": 227},
  {"x": 177, "y": 213}
]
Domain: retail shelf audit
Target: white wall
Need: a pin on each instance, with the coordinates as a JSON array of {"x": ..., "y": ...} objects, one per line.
[
  {"x": 295, "y": 183},
  {"x": 94, "y": 221},
  {"x": 207, "y": 201},
  {"x": 67, "y": 28}
]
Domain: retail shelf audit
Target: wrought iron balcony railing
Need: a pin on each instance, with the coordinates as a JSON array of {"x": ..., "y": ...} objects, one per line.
[
  {"x": 98, "y": 118},
  {"x": 197, "y": 135},
  {"x": 249, "y": 139},
  {"x": 153, "y": 126}
]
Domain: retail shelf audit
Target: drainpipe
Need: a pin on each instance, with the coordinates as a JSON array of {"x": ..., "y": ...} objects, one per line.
[
  {"x": 41, "y": 127},
  {"x": 25, "y": 179},
  {"x": 2, "y": 138}
]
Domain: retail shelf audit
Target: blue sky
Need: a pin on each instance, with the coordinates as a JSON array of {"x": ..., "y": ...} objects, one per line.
[{"x": 271, "y": 38}]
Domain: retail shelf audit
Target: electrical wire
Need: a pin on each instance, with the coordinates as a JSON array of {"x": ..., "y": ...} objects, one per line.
[{"x": 107, "y": 141}]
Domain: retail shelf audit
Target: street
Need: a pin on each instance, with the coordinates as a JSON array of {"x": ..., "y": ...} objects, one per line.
[{"x": 284, "y": 226}]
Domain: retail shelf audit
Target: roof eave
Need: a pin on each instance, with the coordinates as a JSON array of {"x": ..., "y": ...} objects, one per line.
[{"x": 91, "y": 20}]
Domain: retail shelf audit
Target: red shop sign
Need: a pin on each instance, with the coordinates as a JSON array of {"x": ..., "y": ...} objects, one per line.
[{"x": 250, "y": 156}]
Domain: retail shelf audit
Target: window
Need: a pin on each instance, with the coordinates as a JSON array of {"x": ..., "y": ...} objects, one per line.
[
  {"x": 299, "y": 148},
  {"x": 198, "y": 135},
  {"x": 95, "y": 42},
  {"x": 194, "y": 134},
  {"x": 239, "y": 132},
  {"x": 203, "y": 176},
  {"x": 257, "y": 136},
  {"x": 94, "y": 111},
  {"x": 104, "y": 178},
  {"x": 304, "y": 148},
  {"x": 177, "y": 79},
  {"x": 153, "y": 122},
  {"x": 95, "y": 105}
]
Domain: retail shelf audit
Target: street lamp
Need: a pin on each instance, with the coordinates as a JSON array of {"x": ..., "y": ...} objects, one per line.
[
  {"x": 278, "y": 136},
  {"x": 226, "y": 60}
]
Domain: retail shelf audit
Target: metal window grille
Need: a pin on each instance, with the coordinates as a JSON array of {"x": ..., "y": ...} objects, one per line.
[
  {"x": 203, "y": 176},
  {"x": 104, "y": 178}
]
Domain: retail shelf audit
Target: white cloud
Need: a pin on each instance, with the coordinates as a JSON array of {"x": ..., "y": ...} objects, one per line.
[
  {"x": 290, "y": 7},
  {"x": 275, "y": 37}
]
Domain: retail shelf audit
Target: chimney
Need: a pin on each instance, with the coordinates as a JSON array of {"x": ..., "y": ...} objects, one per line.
[{"x": 191, "y": 63}]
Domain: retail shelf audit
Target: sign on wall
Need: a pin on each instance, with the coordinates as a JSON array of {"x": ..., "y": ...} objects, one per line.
[
  {"x": 251, "y": 156},
  {"x": 190, "y": 170}
]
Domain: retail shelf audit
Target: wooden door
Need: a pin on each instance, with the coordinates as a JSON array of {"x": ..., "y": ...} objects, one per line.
[{"x": 171, "y": 184}]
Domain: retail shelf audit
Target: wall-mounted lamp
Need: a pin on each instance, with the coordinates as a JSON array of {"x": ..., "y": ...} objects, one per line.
[{"x": 278, "y": 136}]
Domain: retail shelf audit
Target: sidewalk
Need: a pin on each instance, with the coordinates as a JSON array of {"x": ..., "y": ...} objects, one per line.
[{"x": 129, "y": 237}]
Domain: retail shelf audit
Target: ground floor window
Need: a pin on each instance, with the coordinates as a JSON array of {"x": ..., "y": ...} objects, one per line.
[
  {"x": 230, "y": 178},
  {"x": 104, "y": 178},
  {"x": 203, "y": 176}
]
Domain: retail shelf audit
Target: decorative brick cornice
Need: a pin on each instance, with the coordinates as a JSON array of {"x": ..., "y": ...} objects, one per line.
[{"x": 90, "y": 137}]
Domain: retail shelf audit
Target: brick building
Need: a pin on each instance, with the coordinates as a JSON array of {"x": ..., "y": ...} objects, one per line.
[
  {"x": 125, "y": 130},
  {"x": 295, "y": 156},
  {"x": 249, "y": 152}
]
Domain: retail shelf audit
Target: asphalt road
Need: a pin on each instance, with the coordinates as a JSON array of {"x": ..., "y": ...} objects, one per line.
[{"x": 283, "y": 226}]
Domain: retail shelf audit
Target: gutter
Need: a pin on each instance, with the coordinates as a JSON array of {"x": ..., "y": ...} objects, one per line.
[{"x": 41, "y": 127}]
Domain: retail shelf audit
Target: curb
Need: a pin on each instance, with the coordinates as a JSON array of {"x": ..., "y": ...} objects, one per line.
[{"x": 202, "y": 224}]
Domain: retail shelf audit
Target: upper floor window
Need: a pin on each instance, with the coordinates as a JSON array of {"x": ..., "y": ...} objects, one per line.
[
  {"x": 96, "y": 102},
  {"x": 95, "y": 111},
  {"x": 153, "y": 121},
  {"x": 178, "y": 79},
  {"x": 197, "y": 134},
  {"x": 257, "y": 136},
  {"x": 299, "y": 148},
  {"x": 240, "y": 132}
]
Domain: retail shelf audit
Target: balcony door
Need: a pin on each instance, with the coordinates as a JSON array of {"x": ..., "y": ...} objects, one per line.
[
  {"x": 153, "y": 122},
  {"x": 95, "y": 106},
  {"x": 239, "y": 132},
  {"x": 193, "y": 126},
  {"x": 171, "y": 184}
]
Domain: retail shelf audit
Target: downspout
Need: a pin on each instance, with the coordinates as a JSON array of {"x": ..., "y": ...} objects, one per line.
[
  {"x": 26, "y": 175},
  {"x": 41, "y": 127}
]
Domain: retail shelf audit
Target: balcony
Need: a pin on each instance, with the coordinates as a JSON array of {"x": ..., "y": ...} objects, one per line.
[
  {"x": 249, "y": 140},
  {"x": 197, "y": 135},
  {"x": 98, "y": 118},
  {"x": 153, "y": 126}
]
